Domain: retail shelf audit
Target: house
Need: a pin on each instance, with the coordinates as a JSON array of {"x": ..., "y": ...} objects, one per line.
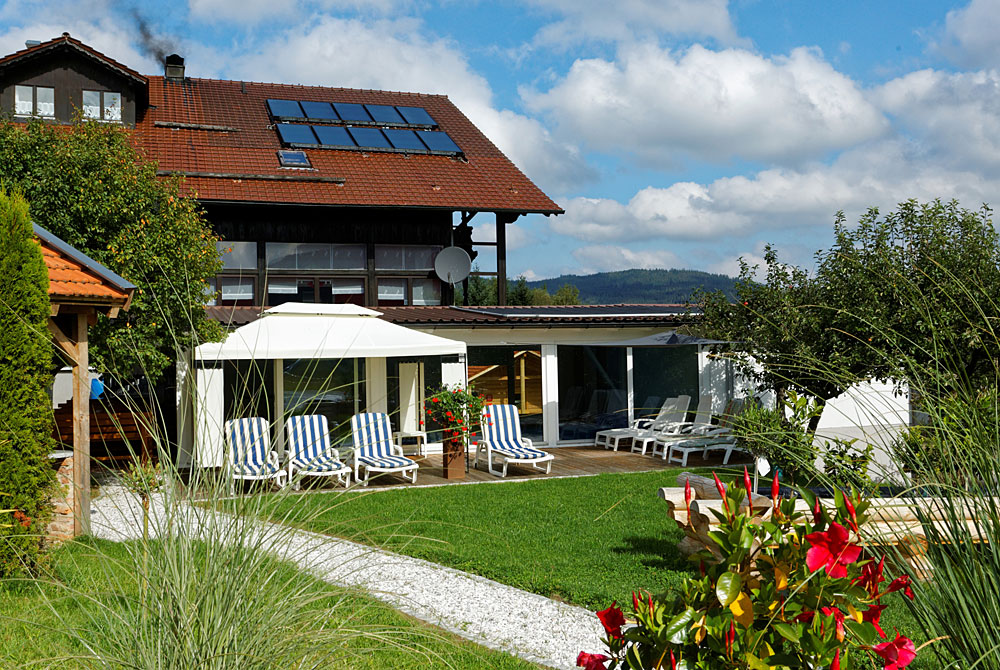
[{"x": 319, "y": 194}]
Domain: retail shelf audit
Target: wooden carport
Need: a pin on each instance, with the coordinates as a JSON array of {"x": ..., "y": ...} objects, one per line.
[{"x": 80, "y": 288}]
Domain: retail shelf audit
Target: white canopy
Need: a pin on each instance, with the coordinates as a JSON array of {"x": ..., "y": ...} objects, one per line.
[{"x": 300, "y": 330}]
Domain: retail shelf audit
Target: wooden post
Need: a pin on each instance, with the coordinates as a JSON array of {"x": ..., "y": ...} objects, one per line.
[
  {"x": 501, "y": 225},
  {"x": 81, "y": 431}
]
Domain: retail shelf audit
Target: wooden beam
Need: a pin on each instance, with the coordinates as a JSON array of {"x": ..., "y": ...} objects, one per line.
[
  {"x": 501, "y": 228},
  {"x": 55, "y": 309},
  {"x": 67, "y": 345},
  {"x": 81, "y": 431}
]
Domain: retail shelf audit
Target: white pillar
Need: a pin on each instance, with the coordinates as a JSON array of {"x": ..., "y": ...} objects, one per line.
[
  {"x": 210, "y": 416},
  {"x": 630, "y": 385},
  {"x": 278, "y": 403},
  {"x": 550, "y": 394},
  {"x": 376, "y": 385}
]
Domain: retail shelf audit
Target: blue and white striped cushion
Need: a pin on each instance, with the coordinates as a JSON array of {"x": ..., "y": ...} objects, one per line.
[
  {"x": 501, "y": 427},
  {"x": 372, "y": 434},
  {"x": 387, "y": 461},
  {"x": 249, "y": 444},
  {"x": 309, "y": 443}
]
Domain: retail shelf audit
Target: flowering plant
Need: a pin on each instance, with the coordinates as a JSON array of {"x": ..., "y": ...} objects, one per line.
[
  {"x": 454, "y": 410},
  {"x": 785, "y": 589}
]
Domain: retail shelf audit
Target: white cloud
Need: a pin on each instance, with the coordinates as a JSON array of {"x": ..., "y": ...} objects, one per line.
[
  {"x": 713, "y": 105},
  {"x": 395, "y": 55},
  {"x": 250, "y": 12},
  {"x": 606, "y": 258},
  {"x": 970, "y": 35},
  {"x": 881, "y": 174},
  {"x": 517, "y": 237},
  {"x": 624, "y": 20},
  {"x": 956, "y": 116}
]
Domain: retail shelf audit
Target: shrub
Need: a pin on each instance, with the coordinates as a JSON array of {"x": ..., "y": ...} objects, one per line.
[
  {"x": 784, "y": 442},
  {"x": 782, "y": 590},
  {"x": 25, "y": 412},
  {"x": 454, "y": 411}
]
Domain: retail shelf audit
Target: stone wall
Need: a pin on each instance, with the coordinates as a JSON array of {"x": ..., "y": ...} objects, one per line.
[{"x": 60, "y": 528}]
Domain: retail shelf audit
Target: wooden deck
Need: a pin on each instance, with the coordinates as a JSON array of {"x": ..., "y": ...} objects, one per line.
[{"x": 568, "y": 462}]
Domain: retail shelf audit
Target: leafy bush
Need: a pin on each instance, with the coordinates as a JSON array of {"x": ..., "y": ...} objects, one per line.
[
  {"x": 454, "y": 410},
  {"x": 780, "y": 590},
  {"x": 25, "y": 412},
  {"x": 784, "y": 442}
]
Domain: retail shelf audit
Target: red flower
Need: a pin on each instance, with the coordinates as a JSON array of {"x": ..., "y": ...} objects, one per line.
[
  {"x": 850, "y": 510},
  {"x": 838, "y": 618},
  {"x": 612, "y": 619},
  {"x": 635, "y": 601},
  {"x": 872, "y": 615},
  {"x": 898, "y": 653},
  {"x": 774, "y": 490},
  {"x": 871, "y": 576},
  {"x": 748, "y": 486},
  {"x": 591, "y": 661},
  {"x": 448, "y": 413},
  {"x": 832, "y": 551},
  {"x": 901, "y": 583},
  {"x": 673, "y": 661},
  {"x": 435, "y": 400},
  {"x": 687, "y": 495},
  {"x": 836, "y": 660},
  {"x": 730, "y": 639},
  {"x": 722, "y": 492},
  {"x": 817, "y": 512}
]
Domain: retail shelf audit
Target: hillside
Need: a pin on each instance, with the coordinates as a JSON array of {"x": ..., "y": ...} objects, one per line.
[{"x": 640, "y": 286}]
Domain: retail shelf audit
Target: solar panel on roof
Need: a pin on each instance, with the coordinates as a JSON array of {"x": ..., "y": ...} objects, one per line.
[
  {"x": 369, "y": 137},
  {"x": 333, "y": 136},
  {"x": 318, "y": 110},
  {"x": 295, "y": 134},
  {"x": 437, "y": 140},
  {"x": 293, "y": 158},
  {"x": 384, "y": 113},
  {"x": 404, "y": 139},
  {"x": 349, "y": 111},
  {"x": 417, "y": 116},
  {"x": 285, "y": 108}
]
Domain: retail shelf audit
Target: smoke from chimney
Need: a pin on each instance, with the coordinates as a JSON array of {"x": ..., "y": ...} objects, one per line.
[{"x": 154, "y": 46}]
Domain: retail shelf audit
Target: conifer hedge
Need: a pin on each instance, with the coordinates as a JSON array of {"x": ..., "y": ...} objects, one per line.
[{"x": 25, "y": 372}]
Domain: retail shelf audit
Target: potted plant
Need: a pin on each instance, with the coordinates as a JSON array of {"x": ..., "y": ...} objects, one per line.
[{"x": 454, "y": 412}]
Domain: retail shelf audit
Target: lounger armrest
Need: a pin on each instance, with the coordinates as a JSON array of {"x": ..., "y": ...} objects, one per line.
[
  {"x": 718, "y": 431},
  {"x": 640, "y": 424},
  {"x": 395, "y": 449},
  {"x": 526, "y": 442}
]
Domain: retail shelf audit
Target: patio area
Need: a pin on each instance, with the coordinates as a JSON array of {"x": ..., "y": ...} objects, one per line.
[{"x": 568, "y": 462}]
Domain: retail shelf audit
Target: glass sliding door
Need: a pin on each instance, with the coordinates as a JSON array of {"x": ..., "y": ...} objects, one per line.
[
  {"x": 333, "y": 388},
  {"x": 593, "y": 390},
  {"x": 659, "y": 373},
  {"x": 511, "y": 376}
]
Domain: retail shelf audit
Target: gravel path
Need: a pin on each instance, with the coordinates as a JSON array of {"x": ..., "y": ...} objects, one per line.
[{"x": 494, "y": 615}]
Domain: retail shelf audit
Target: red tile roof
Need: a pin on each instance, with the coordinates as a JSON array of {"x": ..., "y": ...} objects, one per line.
[
  {"x": 242, "y": 144},
  {"x": 73, "y": 281},
  {"x": 498, "y": 317}
]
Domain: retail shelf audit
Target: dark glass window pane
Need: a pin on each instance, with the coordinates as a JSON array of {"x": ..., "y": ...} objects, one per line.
[
  {"x": 659, "y": 373},
  {"x": 285, "y": 108},
  {"x": 236, "y": 291},
  {"x": 280, "y": 291},
  {"x": 318, "y": 110},
  {"x": 392, "y": 292},
  {"x": 249, "y": 386},
  {"x": 237, "y": 255},
  {"x": 593, "y": 391},
  {"x": 417, "y": 116},
  {"x": 332, "y": 388},
  {"x": 384, "y": 113},
  {"x": 369, "y": 137},
  {"x": 349, "y": 111},
  {"x": 342, "y": 291},
  {"x": 511, "y": 376}
]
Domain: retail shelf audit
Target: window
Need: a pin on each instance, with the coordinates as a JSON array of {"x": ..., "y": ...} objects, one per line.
[
  {"x": 511, "y": 375},
  {"x": 307, "y": 256},
  {"x": 340, "y": 291},
  {"x": 593, "y": 390},
  {"x": 238, "y": 255},
  {"x": 405, "y": 257},
  {"x": 34, "y": 101},
  {"x": 426, "y": 291},
  {"x": 230, "y": 291},
  {"x": 102, "y": 105},
  {"x": 280, "y": 291},
  {"x": 392, "y": 292}
]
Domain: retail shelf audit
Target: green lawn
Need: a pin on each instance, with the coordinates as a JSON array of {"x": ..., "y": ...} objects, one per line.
[
  {"x": 31, "y": 628},
  {"x": 586, "y": 540}
]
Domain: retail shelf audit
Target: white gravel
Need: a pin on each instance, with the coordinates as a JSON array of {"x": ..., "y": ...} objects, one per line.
[{"x": 494, "y": 615}]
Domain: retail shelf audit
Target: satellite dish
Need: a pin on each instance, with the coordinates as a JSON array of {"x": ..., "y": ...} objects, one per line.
[{"x": 452, "y": 264}]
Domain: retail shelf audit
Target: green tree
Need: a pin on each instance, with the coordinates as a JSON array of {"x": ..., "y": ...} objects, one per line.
[
  {"x": 519, "y": 293},
  {"x": 88, "y": 184},
  {"x": 25, "y": 373},
  {"x": 566, "y": 295},
  {"x": 923, "y": 274}
]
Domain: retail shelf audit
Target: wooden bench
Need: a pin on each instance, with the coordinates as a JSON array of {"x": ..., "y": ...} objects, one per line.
[{"x": 117, "y": 433}]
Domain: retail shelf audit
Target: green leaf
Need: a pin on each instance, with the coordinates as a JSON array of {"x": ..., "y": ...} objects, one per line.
[
  {"x": 677, "y": 630},
  {"x": 728, "y": 588},
  {"x": 755, "y": 663},
  {"x": 788, "y": 632}
]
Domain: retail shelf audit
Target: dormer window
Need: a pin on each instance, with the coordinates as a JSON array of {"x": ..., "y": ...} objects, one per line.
[
  {"x": 34, "y": 101},
  {"x": 102, "y": 105}
]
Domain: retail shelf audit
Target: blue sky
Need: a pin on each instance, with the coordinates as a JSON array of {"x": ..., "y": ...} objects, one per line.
[{"x": 676, "y": 133}]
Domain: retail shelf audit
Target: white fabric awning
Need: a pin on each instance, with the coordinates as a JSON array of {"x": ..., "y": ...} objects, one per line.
[{"x": 301, "y": 330}]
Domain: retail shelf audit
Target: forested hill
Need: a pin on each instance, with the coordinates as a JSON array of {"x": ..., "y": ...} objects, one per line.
[{"x": 640, "y": 286}]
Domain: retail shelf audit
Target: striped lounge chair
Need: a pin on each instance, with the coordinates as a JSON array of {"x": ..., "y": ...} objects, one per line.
[
  {"x": 501, "y": 430},
  {"x": 309, "y": 452},
  {"x": 250, "y": 455},
  {"x": 374, "y": 450}
]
